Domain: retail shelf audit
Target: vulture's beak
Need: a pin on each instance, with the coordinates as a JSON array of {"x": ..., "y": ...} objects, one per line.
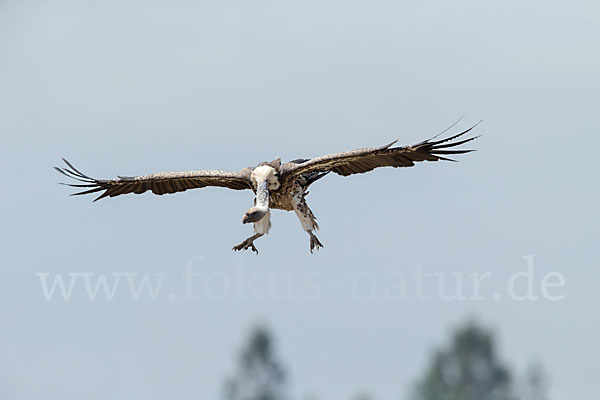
[{"x": 253, "y": 215}]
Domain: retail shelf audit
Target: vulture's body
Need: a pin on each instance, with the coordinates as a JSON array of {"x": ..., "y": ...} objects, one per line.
[{"x": 276, "y": 185}]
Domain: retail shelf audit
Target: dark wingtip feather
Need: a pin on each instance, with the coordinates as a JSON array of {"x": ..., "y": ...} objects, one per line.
[
  {"x": 446, "y": 159},
  {"x": 389, "y": 145},
  {"x": 442, "y": 132},
  {"x": 447, "y": 146},
  {"x": 77, "y": 185},
  {"x": 103, "y": 195},
  {"x": 74, "y": 173},
  {"x": 75, "y": 169},
  {"x": 63, "y": 172},
  {"x": 94, "y": 190},
  {"x": 435, "y": 152},
  {"x": 438, "y": 142},
  {"x": 452, "y": 144}
]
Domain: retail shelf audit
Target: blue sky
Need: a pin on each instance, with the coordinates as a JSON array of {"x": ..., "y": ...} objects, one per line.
[{"x": 132, "y": 87}]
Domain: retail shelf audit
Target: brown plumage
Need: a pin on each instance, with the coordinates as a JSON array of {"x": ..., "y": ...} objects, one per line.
[
  {"x": 284, "y": 186},
  {"x": 364, "y": 160},
  {"x": 160, "y": 183}
]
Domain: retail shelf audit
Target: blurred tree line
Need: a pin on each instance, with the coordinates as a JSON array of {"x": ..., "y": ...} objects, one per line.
[
  {"x": 468, "y": 368},
  {"x": 260, "y": 375}
]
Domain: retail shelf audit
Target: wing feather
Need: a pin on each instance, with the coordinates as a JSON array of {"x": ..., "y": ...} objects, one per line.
[
  {"x": 160, "y": 183},
  {"x": 365, "y": 160}
]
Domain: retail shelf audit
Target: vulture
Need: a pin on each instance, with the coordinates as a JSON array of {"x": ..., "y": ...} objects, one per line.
[{"x": 276, "y": 185}]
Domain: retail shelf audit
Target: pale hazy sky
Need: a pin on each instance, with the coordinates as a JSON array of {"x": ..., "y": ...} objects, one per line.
[{"x": 132, "y": 87}]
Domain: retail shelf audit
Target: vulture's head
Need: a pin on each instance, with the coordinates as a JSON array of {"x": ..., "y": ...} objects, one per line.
[{"x": 254, "y": 214}]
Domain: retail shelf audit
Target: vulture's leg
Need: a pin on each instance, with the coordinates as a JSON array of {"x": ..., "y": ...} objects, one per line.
[
  {"x": 248, "y": 243},
  {"x": 307, "y": 219}
]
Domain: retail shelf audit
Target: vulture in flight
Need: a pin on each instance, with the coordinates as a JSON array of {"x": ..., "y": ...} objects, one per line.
[{"x": 276, "y": 185}]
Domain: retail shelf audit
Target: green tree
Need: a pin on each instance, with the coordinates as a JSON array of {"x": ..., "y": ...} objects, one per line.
[
  {"x": 260, "y": 375},
  {"x": 362, "y": 396},
  {"x": 468, "y": 369},
  {"x": 535, "y": 383}
]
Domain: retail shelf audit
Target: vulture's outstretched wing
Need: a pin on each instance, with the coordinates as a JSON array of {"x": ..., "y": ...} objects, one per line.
[
  {"x": 161, "y": 183},
  {"x": 364, "y": 160}
]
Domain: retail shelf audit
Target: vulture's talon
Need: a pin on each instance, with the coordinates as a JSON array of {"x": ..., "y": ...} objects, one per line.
[
  {"x": 245, "y": 245},
  {"x": 315, "y": 243}
]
